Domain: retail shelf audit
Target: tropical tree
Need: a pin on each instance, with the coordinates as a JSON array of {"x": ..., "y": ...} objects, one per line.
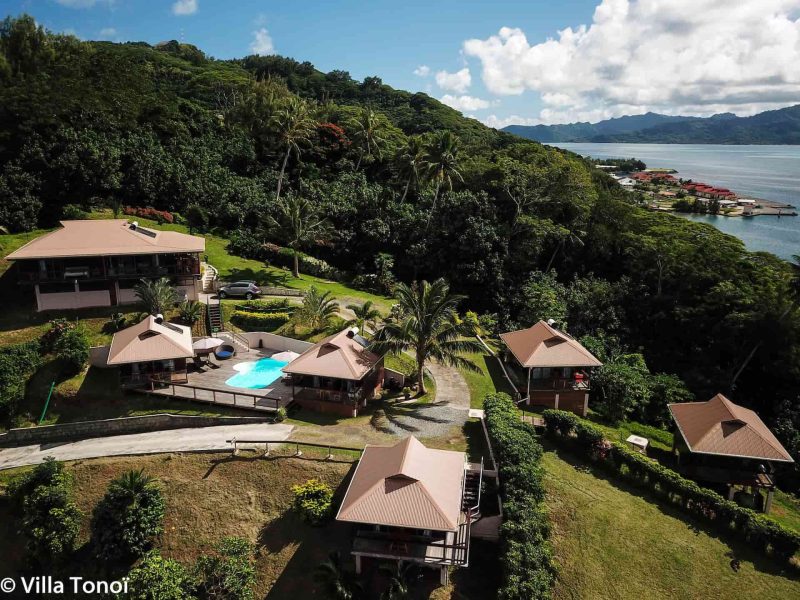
[
  {"x": 129, "y": 517},
  {"x": 573, "y": 238},
  {"x": 156, "y": 295},
  {"x": 339, "y": 583},
  {"x": 411, "y": 162},
  {"x": 229, "y": 573},
  {"x": 318, "y": 308},
  {"x": 442, "y": 164},
  {"x": 190, "y": 311},
  {"x": 294, "y": 125},
  {"x": 159, "y": 578},
  {"x": 365, "y": 315},
  {"x": 428, "y": 326},
  {"x": 300, "y": 222},
  {"x": 401, "y": 579},
  {"x": 368, "y": 131}
]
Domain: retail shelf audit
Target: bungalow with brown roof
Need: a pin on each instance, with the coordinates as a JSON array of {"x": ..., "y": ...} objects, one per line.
[
  {"x": 552, "y": 365},
  {"x": 151, "y": 351},
  {"x": 98, "y": 262},
  {"x": 336, "y": 375},
  {"x": 721, "y": 442},
  {"x": 409, "y": 503}
]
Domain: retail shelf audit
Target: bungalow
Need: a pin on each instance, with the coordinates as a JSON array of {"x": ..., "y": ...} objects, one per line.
[
  {"x": 336, "y": 375},
  {"x": 555, "y": 364},
  {"x": 98, "y": 262},
  {"x": 721, "y": 442},
  {"x": 152, "y": 350},
  {"x": 412, "y": 503}
]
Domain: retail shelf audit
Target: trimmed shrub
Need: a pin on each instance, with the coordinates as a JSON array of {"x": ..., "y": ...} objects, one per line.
[
  {"x": 229, "y": 573},
  {"x": 17, "y": 363},
  {"x": 49, "y": 519},
  {"x": 129, "y": 517},
  {"x": 159, "y": 578},
  {"x": 72, "y": 346},
  {"x": 526, "y": 554},
  {"x": 273, "y": 305},
  {"x": 312, "y": 500},
  {"x": 755, "y": 529},
  {"x": 159, "y": 216},
  {"x": 250, "y": 321},
  {"x": 284, "y": 257}
]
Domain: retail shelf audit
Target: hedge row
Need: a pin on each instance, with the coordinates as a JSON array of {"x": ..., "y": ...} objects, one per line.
[
  {"x": 755, "y": 529},
  {"x": 278, "y": 255},
  {"x": 526, "y": 555},
  {"x": 253, "y": 321},
  {"x": 17, "y": 363},
  {"x": 266, "y": 306}
]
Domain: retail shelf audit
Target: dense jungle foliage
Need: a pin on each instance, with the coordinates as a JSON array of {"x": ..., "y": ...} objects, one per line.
[{"x": 399, "y": 187}]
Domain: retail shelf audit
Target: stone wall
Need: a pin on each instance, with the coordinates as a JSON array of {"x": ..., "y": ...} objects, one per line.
[
  {"x": 70, "y": 432},
  {"x": 259, "y": 339}
]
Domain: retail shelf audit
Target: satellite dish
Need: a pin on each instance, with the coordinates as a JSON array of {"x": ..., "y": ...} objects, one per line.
[
  {"x": 159, "y": 318},
  {"x": 551, "y": 322}
]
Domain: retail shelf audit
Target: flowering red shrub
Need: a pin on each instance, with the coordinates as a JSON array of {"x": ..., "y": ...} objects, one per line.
[
  {"x": 332, "y": 137},
  {"x": 162, "y": 216}
]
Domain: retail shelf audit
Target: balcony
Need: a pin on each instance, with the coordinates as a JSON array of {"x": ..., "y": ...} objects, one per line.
[
  {"x": 399, "y": 545},
  {"x": 560, "y": 384}
]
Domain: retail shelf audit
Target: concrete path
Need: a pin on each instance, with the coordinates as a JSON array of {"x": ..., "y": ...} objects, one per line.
[
  {"x": 451, "y": 388},
  {"x": 154, "y": 442}
]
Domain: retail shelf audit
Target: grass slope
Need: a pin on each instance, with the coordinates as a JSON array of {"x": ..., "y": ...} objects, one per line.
[{"x": 613, "y": 542}]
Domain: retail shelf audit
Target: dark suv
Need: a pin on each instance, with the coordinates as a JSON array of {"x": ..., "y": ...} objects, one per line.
[{"x": 246, "y": 289}]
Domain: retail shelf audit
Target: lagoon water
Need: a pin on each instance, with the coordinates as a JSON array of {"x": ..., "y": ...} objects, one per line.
[{"x": 767, "y": 172}]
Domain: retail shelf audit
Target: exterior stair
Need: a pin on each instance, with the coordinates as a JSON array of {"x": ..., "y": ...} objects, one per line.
[
  {"x": 472, "y": 494},
  {"x": 210, "y": 278},
  {"x": 237, "y": 341},
  {"x": 213, "y": 317}
]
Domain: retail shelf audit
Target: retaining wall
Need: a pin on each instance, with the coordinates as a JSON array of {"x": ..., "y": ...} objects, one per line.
[
  {"x": 70, "y": 432},
  {"x": 275, "y": 342}
]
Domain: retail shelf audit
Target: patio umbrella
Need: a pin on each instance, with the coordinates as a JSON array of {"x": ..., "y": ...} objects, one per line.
[
  {"x": 287, "y": 356},
  {"x": 206, "y": 344}
]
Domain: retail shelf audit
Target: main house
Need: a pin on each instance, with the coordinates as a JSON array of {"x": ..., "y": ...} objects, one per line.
[
  {"x": 721, "y": 442},
  {"x": 336, "y": 375},
  {"x": 550, "y": 367},
  {"x": 98, "y": 262},
  {"x": 410, "y": 503}
]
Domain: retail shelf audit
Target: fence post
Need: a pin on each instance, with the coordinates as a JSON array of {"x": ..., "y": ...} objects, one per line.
[
  {"x": 235, "y": 448},
  {"x": 297, "y": 450},
  {"x": 330, "y": 454}
]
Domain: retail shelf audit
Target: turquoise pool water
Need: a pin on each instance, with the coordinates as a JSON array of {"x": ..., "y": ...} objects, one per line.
[{"x": 257, "y": 374}]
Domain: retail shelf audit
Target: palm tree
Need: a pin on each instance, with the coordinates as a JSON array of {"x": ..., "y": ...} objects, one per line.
[
  {"x": 156, "y": 295},
  {"x": 133, "y": 484},
  {"x": 428, "y": 326},
  {"x": 300, "y": 222},
  {"x": 318, "y": 308},
  {"x": 411, "y": 163},
  {"x": 294, "y": 125},
  {"x": 368, "y": 134},
  {"x": 442, "y": 164},
  {"x": 365, "y": 315},
  {"x": 190, "y": 311},
  {"x": 401, "y": 579},
  {"x": 339, "y": 583}
]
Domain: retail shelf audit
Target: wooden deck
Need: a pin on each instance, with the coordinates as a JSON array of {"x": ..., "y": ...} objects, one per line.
[{"x": 208, "y": 385}]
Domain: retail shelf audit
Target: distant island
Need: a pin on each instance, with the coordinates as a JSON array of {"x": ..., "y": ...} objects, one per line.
[{"x": 772, "y": 127}]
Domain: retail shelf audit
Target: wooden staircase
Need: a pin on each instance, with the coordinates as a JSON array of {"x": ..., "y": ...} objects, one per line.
[
  {"x": 214, "y": 320},
  {"x": 471, "y": 499}
]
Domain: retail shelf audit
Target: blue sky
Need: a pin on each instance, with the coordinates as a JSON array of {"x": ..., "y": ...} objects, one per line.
[{"x": 500, "y": 61}]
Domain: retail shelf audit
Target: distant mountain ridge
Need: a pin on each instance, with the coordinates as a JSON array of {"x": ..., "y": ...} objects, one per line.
[{"x": 780, "y": 126}]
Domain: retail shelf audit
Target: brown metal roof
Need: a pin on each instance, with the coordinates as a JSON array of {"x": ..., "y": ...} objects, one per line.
[
  {"x": 106, "y": 237},
  {"x": 721, "y": 427},
  {"x": 406, "y": 485},
  {"x": 148, "y": 341},
  {"x": 545, "y": 346},
  {"x": 339, "y": 356}
]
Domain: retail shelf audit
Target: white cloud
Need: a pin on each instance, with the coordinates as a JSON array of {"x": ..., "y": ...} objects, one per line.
[
  {"x": 262, "y": 42},
  {"x": 454, "y": 82},
  {"x": 107, "y": 33},
  {"x": 422, "y": 71},
  {"x": 672, "y": 56},
  {"x": 466, "y": 103},
  {"x": 184, "y": 7},
  {"x": 500, "y": 122}
]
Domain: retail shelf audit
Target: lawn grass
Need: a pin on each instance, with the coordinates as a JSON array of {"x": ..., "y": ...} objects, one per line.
[
  {"x": 613, "y": 542},
  {"x": 489, "y": 381},
  {"x": 212, "y": 495}
]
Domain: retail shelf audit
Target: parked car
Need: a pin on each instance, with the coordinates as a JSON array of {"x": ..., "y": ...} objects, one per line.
[{"x": 246, "y": 289}]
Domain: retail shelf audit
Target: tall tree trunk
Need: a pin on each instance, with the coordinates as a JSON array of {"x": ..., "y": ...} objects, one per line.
[
  {"x": 283, "y": 170},
  {"x": 758, "y": 345},
  {"x": 405, "y": 192},
  {"x": 433, "y": 206},
  {"x": 296, "y": 264},
  {"x": 421, "y": 381},
  {"x": 360, "y": 157},
  {"x": 553, "y": 257}
]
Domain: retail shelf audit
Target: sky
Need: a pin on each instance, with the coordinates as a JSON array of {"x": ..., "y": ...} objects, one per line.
[{"x": 504, "y": 61}]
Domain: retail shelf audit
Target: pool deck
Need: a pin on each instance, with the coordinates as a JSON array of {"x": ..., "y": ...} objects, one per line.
[{"x": 208, "y": 385}]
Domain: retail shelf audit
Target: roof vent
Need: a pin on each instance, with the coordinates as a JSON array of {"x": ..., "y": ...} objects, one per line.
[
  {"x": 159, "y": 318},
  {"x": 134, "y": 225},
  {"x": 352, "y": 332},
  {"x": 551, "y": 322}
]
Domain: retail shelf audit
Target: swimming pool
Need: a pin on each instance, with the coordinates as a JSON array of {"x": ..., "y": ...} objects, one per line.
[{"x": 257, "y": 374}]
